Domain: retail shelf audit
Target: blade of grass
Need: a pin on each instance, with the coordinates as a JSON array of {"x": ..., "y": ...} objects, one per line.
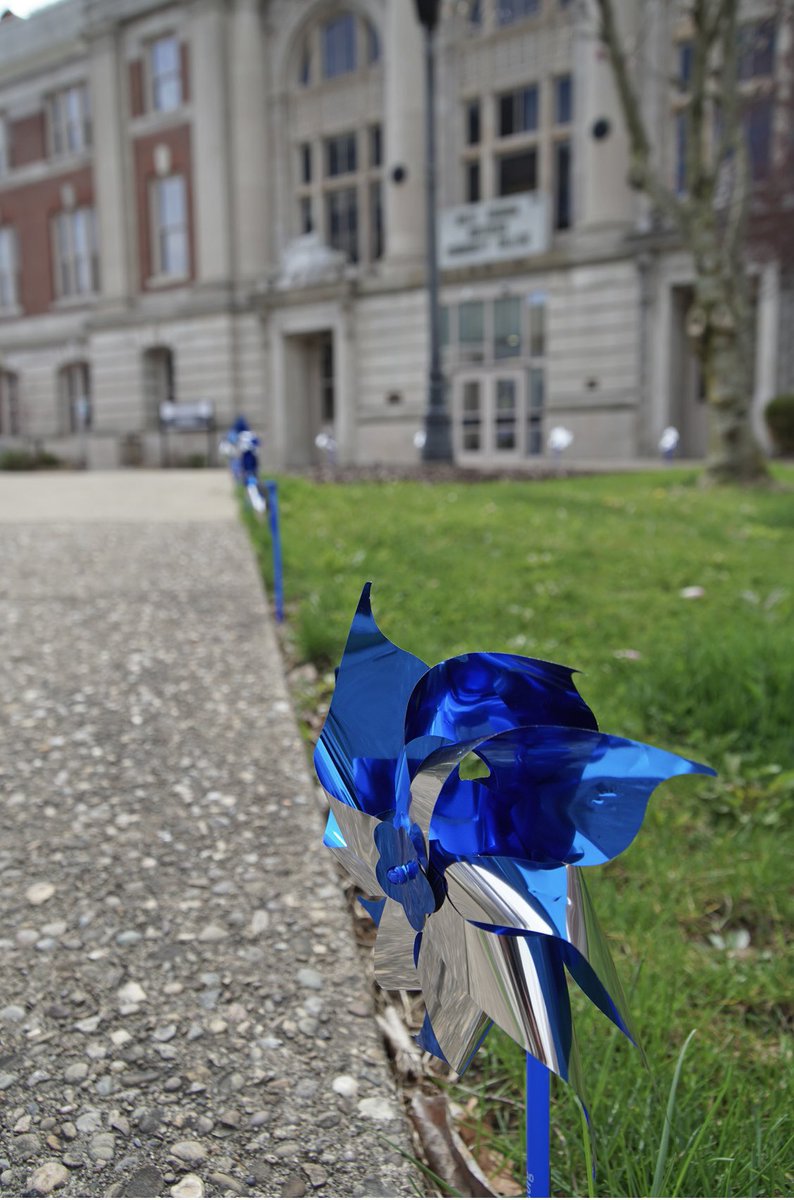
[
  {"x": 588, "y": 1151},
  {"x": 664, "y": 1145},
  {"x": 698, "y": 1138}
]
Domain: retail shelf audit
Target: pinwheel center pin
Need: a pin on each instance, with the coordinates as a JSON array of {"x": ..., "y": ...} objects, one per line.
[
  {"x": 399, "y": 871},
  {"x": 403, "y": 873}
]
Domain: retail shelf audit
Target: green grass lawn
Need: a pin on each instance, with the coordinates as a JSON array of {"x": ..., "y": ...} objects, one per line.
[{"x": 589, "y": 572}]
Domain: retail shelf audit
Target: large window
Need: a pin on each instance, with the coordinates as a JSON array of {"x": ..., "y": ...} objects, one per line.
[
  {"x": 345, "y": 197},
  {"x": 9, "y": 404},
  {"x": 341, "y": 155},
  {"x": 517, "y": 172},
  {"x": 758, "y": 119},
  {"x": 170, "y": 247},
  {"x": 338, "y": 40},
  {"x": 508, "y": 11},
  {"x": 339, "y": 46},
  {"x": 76, "y": 258},
  {"x": 562, "y": 185},
  {"x": 507, "y": 327},
  {"x": 165, "y": 74},
  {"x": 342, "y": 223},
  {"x": 75, "y": 393},
  {"x": 518, "y": 111},
  {"x": 70, "y": 120},
  {"x": 9, "y": 268},
  {"x": 757, "y": 50},
  {"x": 159, "y": 381},
  {"x": 494, "y": 354},
  {"x": 563, "y": 100}
]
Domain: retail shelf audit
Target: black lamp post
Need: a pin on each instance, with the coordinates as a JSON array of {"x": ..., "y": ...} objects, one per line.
[{"x": 438, "y": 441}]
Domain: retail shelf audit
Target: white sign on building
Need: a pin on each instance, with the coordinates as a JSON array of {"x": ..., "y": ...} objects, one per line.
[{"x": 510, "y": 227}]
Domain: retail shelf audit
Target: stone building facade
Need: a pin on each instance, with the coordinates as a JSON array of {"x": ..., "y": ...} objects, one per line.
[{"x": 223, "y": 201}]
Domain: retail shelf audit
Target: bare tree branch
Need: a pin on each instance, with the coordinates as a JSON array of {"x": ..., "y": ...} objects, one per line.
[{"x": 643, "y": 173}]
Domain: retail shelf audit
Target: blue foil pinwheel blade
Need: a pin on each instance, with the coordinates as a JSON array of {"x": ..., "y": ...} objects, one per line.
[
  {"x": 477, "y": 695},
  {"x": 362, "y": 740},
  {"x": 553, "y": 795}
]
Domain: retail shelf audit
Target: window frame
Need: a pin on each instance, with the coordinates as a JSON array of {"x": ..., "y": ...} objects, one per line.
[
  {"x": 348, "y": 159},
  {"x": 9, "y": 237},
  {"x": 158, "y": 79},
  {"x": 159, "y": 268},
  {"x": 79, "y": 370},
  {"x": 9, "y": 404},
  {"x": 518, "y": 99},
  {"x": 69, "y": 264},
  {"x": 61, "y": 123}
]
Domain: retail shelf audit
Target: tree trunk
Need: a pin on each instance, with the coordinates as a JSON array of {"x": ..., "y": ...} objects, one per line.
[{"x": 719, "y": 322}]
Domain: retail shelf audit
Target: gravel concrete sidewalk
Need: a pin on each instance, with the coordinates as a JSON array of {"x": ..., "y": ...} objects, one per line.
[{"x": 182, "y": 1008}]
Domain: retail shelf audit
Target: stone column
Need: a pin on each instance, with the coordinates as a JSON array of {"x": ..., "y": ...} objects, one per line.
[
  {"x": 277, "y": 356},
  {"x": 112, "y": 196},
  {"x": 208, "y": 44},
  {"x": 345, "y": 386},
  {"x": 404, "y": 113},
  {"x": 603, "y": 196},
  {"x": 249, "y": 133}
]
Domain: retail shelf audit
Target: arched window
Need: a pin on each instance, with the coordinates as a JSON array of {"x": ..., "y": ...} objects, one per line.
[
  {"x": 9, "y": 404},
  {"x": 341, "y": 45},
  {"x": 74, "y": 391},
  {"x": 158, "y": 382},
  {"x": 337, "y": 165}
]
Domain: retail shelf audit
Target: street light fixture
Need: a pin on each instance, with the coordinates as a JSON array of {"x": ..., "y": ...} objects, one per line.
[{"x": 438, "y": 441}]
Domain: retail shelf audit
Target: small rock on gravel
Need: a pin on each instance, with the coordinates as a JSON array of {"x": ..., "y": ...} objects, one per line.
[
  {"x": 316, "y": 1174},
  {"x": 47, "y": 1178},
  {"x": 345, "y": 1085},
  {"x": 376, "y": 1109},
  {"x": 131, "y": 993},
  {"x": 146, "y": 1182},
  {"x": 189, "y": 1152},
  {"x": 12, "y": 1013},
  {"x": 190, "y": 1185},
  {"x": 309, "y": 978},
  {"x": 225, "y": 1183},
  {"x": 102, "y": 1147},
  {"x": 40, "y": 893}
]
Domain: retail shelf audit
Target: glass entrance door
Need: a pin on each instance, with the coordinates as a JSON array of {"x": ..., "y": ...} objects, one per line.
[{"x": 490, "y": 415}]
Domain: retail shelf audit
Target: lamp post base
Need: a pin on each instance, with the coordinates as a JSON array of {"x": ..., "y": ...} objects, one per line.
[{"x": 438, "y": 440}]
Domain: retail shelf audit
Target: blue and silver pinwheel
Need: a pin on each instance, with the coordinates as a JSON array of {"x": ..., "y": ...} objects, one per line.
[{"x": 466, "y": 799}]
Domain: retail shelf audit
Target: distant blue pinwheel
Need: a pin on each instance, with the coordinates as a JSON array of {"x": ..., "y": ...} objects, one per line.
[
  {"x": 465, "y": 800},
  {"x": 241, "y": 447}
]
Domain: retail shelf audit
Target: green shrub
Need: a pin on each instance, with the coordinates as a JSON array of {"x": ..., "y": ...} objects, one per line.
[
  {"x": 779, "y": 415},
  {"x": 19, "y": 459}
]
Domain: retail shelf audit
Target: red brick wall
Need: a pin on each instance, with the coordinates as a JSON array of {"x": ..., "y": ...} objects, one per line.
[
  {"x": 178, "y": 140},
  {"x": 30, "y": 209},
  {"x": 28, "y": 140}
]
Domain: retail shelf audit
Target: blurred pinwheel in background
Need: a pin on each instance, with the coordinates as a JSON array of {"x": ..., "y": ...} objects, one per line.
[
  {"x": 465, "y": 800},
  {"x": 241, "y": 447}
]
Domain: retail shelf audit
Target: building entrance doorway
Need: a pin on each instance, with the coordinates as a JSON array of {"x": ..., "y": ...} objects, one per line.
[
  {"x": 493, "y": 417},
  {"x": 311, "y": 397}
]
